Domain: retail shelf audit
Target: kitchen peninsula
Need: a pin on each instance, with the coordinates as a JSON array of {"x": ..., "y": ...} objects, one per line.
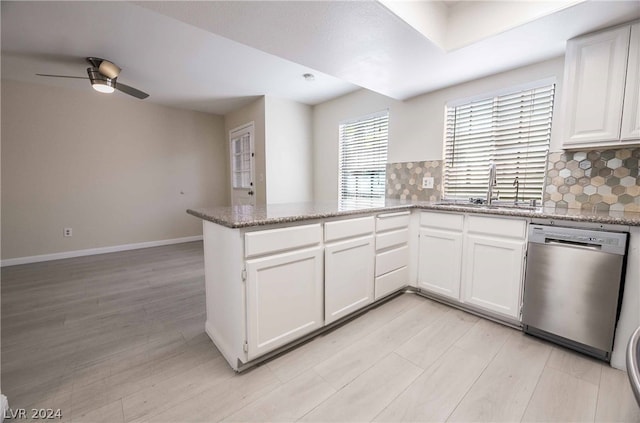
[{"x": 279, "y": 274}]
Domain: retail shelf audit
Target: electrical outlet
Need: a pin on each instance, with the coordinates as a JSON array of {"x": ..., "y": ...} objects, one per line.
[
  {"x": 67, "y": 232},
  {"x": 427, "y": 182}
]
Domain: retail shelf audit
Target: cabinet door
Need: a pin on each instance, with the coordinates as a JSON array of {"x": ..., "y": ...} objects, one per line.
[
  {"x": 284, "y": 299},
  {"x": 595, "y": 69},
  {"x": 631, "y": 111},
  {"x": 348, "y": 284},
  {"x": 440, "y": 261},
  {"x": 493, "y": 272}
]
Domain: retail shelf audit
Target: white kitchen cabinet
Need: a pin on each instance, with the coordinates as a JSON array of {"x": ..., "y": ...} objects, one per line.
[
  {"x": 440, "y": 253},
  {"x": 493, "y": 265},
  {"x": 263, "y": 287},
  {"x": 284, "y": 299},
  {"x": 283, "y": 286},
  {"x": 349, "y": 267},
  {"x": 348, "y": 277},
  {"x": 440, "y": 262},
  {"x": 392, "y": 253},
  {"x": 473, "y": 260},
  {"x": 268, "y": 288},
  {"x": 600, "y": 83},
  {"x": 631, "y": 110}
]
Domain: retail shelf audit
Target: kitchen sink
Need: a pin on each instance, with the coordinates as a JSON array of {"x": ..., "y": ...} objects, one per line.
[{"x": 494, "y": 206}]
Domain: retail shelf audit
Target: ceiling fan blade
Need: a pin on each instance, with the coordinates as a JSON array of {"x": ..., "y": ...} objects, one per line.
[
  {"x": 131, "y": 91},
  {"x": 61, "y": 76}
]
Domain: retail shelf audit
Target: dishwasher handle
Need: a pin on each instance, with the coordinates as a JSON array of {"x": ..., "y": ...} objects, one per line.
[
  {"x": 633, "y": 363},
  {"x": 576, "y": 244}
]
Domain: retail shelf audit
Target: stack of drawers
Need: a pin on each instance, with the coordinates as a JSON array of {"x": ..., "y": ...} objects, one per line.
[{"x": 392, "y": 253}]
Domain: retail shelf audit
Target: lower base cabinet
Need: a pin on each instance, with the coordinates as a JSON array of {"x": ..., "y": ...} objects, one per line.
[
  {"x": 440, "y": 253},
  {"x": 267, "y": 288},
  {"x": 284, "y": 299},
  {"x": 349, "y": 273},
  {"x": 392, "y": 253},
  {"x": 440, "y": 261},
  {"x": 493, "y": 273},
  {"x": 474, "y": 260}
]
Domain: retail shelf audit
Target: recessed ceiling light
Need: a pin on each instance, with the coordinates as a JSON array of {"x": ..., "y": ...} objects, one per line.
[{"x": 309, "y": 77}]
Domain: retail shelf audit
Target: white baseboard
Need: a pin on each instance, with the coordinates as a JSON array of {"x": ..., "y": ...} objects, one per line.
[
  {"x": 4, "y": 407},
  {"x": 94, "y": 251}
]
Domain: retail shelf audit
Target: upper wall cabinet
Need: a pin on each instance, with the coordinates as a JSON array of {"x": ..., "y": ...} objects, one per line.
[
  {"x": 602, "y": 88},
  {"x": 630, "y": 109}
]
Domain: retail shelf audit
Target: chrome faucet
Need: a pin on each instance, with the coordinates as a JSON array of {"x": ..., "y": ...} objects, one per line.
[{"x": 492, "y": 182}]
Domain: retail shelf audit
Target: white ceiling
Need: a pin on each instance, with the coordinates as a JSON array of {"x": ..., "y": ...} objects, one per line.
[{"x": 215, "y": 56}]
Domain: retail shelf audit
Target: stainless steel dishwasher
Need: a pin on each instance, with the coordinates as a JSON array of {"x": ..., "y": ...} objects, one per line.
[{"x": 573, "y": 287}]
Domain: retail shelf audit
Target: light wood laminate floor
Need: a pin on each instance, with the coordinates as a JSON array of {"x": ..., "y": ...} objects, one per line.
[{"x": 119, "y": 338}]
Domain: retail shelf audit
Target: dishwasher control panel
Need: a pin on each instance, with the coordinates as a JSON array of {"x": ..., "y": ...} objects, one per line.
[{"x": 612, "y": 242}]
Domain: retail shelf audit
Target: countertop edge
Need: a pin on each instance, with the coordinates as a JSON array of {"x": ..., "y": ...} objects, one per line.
[
  {"x": 533, "y": 214},
  {"x": 295, "y": 218}
]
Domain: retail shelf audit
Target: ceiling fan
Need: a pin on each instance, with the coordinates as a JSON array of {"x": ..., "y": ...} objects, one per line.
[{"x": 103, "y": 75}]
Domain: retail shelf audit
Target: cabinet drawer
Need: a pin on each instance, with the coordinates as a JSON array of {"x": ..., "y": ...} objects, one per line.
[
  {"x": 442, "y": 220},
  {"x": 348, "y": 228},
  {"x": 502, "y": 227},
  {"x": 386, "y": 222},
  {"x": 276, "y": 240},
  {"x": 392, "y": 260},
  {"x": 391, "y": 281},
  {"x": 391, "y": 239}
]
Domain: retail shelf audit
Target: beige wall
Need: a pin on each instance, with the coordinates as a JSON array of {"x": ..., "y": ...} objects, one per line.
[
  {"x": 282, "y": 147},
  {"x": 289, "y": 163},
  {"x": 416, "y": 126},
  {"x": 253, "y": 112},
  {"x": 326, "y": 119},
  {"x": 110, "y": 167}
]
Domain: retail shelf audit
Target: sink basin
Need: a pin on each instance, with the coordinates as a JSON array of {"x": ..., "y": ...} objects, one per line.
[
  {"x": 512, "y": 206},
  {"x": 495, "y": 206}
]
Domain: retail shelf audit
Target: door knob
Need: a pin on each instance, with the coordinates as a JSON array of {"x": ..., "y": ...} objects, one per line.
[{"x": 250, "y": 193}]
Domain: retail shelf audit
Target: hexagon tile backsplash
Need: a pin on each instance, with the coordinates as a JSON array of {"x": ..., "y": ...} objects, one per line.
[
  {"x": 605, "y": 180},
  {"x": 404, "y": 180}
]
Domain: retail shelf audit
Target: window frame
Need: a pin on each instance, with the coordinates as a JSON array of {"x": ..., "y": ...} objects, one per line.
[
  {"x": 373, "y": 196},
  {"x": 493, "y": 96}
]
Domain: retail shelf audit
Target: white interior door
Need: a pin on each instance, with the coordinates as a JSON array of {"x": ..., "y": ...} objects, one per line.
[{"x": 242, "y": 165}]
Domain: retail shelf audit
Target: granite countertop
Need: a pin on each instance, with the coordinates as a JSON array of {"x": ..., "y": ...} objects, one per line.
[
  {"x": 247, "y": 216},
  {"x": 250, "y": 216}
]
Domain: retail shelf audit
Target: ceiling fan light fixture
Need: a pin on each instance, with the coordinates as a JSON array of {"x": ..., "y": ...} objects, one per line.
[
  {"x": 100, "y": 82},
  {"x": 108, "y": 69},
  {"x": 103, "y": 75},
  {"x": 103, "y": 87}
]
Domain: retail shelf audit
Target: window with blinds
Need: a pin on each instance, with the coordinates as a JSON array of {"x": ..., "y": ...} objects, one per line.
[
  {"x": 511, "y": 130},
  {"x": 363, "y": 160}
]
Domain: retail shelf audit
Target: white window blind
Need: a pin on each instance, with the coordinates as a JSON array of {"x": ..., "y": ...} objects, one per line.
[
  {"x": 363, "y": 160},
  {"x": 511, "y": 130}
]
